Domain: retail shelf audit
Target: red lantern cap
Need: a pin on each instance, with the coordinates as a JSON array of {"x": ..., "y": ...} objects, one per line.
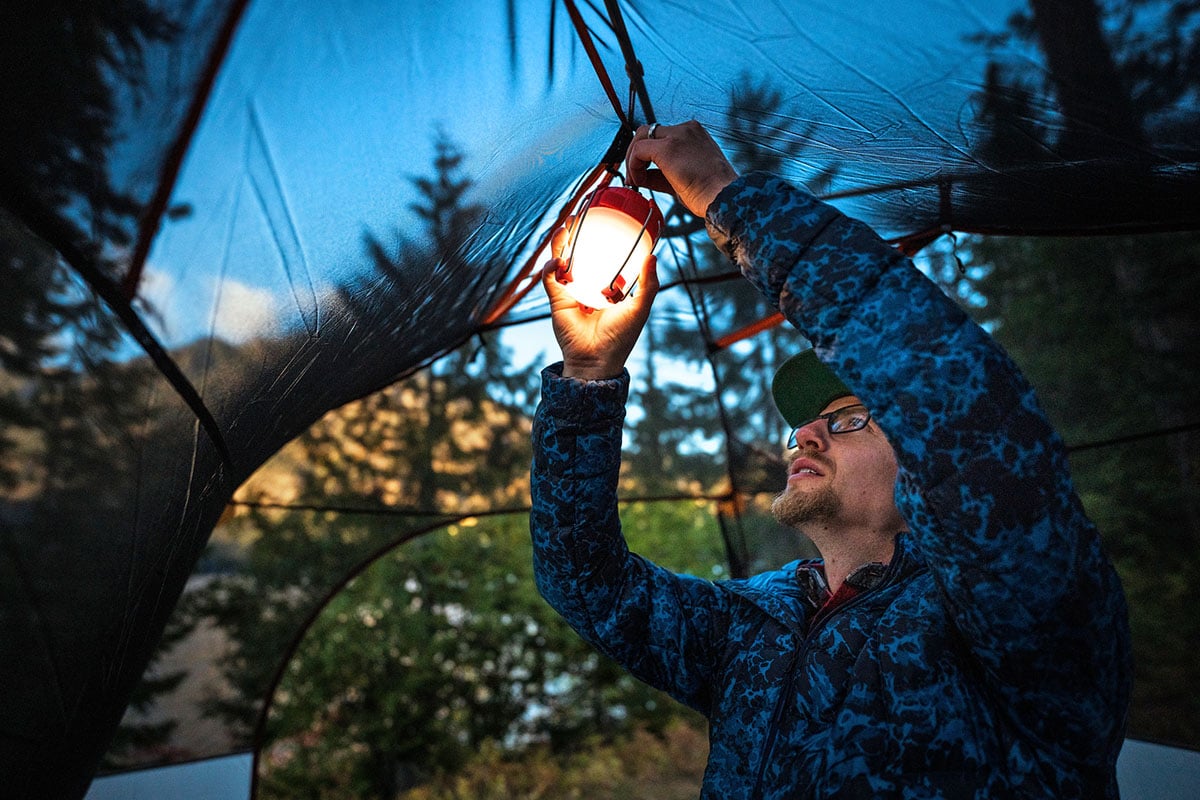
[{"x": 633, "y": 204}]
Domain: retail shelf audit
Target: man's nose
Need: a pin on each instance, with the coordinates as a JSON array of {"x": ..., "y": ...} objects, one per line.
[{"x": 813, "y": 436}]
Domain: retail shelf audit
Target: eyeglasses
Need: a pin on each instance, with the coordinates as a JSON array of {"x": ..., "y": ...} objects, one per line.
[{"x": 846, "y": 419}]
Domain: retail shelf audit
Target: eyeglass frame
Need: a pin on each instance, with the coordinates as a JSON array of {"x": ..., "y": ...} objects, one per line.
[{"x": 829, "y": 419}]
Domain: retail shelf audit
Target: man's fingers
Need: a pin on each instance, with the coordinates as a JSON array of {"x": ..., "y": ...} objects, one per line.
[
  {"x": 690, "y": 164},
  {"x": 649, "y": 276},
  {"x": 556, "y": 293},
  {"x": 653, "y": 180},
  {"x": 659, "y": 131},
  {"x": 638, "y": 158},
  {"x": 561, "y": 237},
  {"x": 644, "y": 150},
  {"x": 647, "y": 286},
  {"x": 554, "y": 289}
]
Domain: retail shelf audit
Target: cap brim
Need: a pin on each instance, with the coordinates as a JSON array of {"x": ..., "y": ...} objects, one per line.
[{"x": 803, "y": 386}]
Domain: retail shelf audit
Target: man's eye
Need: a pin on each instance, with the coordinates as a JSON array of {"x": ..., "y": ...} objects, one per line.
[{"x": 851, "y": 420}]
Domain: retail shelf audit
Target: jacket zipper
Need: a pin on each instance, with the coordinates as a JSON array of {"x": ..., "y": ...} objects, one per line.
[
  {"x": 798, "y": 657},
  {"x": 776, "y": 716}
]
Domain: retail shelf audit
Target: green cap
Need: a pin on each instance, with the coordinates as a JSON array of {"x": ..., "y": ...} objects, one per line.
[{"x": 803, "y": 386}]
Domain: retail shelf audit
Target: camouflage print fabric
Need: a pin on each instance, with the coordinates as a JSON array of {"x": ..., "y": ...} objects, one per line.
[{"x": 992, "y": 660}]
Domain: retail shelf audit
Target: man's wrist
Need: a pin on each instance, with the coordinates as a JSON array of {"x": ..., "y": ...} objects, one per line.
[{"x": 588, "y": 371}]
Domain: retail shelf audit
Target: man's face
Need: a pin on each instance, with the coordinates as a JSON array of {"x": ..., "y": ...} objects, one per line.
[{"x": 839, "y": 479}]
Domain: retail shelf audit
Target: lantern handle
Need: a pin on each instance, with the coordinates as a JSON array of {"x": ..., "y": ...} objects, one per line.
[{"x": 616, "y": 293}]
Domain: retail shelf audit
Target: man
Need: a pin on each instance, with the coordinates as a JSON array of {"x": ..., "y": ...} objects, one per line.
[{"x": 963, "y": 634}]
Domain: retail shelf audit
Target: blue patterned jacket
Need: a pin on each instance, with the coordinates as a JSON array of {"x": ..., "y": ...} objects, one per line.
[{"x": 990, "y": 660}]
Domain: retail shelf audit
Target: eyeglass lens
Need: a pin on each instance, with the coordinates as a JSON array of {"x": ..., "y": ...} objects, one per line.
[{"x": 843, "y": 420}]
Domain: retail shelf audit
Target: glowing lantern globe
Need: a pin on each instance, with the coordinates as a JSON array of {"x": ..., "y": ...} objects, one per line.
[{"x": 610, "y": 239}]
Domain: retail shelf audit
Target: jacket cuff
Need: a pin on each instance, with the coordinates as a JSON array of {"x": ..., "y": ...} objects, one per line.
[
  {"x": 574, "y": 400},
  {"x": 737, "y": 205},
  {"x": 764, "y": 225}
]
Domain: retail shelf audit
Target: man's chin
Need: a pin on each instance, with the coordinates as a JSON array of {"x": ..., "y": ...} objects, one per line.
[{"x": 793, "y": 509}]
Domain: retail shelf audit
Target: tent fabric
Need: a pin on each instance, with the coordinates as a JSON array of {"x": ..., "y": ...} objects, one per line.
[{"x": 209, "y": 237}]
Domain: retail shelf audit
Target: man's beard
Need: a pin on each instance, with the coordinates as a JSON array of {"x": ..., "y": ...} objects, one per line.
[{"x": 794, "y": 509}]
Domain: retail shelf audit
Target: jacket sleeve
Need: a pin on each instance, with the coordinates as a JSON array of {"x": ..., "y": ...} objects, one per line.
[
  {"x": 658, "y": 625},
  {"x": 984, "y": 481}
]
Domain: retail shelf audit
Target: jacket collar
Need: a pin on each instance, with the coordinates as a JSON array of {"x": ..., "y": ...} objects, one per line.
[{"x": 810, "y": 574}]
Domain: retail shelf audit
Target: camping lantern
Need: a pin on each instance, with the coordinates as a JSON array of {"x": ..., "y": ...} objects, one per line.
[{"x": 609, "y": 241}]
